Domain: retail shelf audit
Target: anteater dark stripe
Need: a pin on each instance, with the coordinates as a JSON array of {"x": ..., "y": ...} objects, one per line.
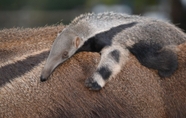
[
  {"x": 115, "y": 54},
  {"x": 20, "y": 67},
  {"x": 104, "y": 72}
]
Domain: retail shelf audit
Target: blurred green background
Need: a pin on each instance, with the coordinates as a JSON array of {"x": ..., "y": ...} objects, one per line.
[{"x": 37, "y": 13}]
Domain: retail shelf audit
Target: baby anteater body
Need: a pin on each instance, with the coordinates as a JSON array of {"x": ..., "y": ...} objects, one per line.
[{"x": 114, "y": 35}]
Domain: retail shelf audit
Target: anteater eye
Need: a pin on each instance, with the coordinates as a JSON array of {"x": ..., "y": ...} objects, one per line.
[{"x": 65, "y": 55}]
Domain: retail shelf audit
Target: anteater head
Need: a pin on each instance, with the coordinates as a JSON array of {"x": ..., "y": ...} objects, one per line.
[{"x": 64, "y": 46}]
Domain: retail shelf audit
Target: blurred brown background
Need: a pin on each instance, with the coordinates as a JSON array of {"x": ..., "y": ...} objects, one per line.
[{"x": 37, "y": 13}]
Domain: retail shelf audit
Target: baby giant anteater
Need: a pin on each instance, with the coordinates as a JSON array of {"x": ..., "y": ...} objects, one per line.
[{"x": 113, "y": 35}]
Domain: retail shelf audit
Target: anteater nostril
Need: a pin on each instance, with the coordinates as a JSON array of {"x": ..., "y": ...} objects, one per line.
[{"x": 42, "y": 79}]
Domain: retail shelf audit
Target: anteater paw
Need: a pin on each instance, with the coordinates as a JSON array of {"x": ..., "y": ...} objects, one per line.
[{"x": 92, "y": 85}]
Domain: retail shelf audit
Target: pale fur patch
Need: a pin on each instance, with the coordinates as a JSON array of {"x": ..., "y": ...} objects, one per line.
[{"x": 97, "y": 77}]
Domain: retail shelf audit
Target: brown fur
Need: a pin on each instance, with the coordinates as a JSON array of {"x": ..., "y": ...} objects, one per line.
[
  {"x": 16, "y": 42},
  {"x": 136, "y": 92}
]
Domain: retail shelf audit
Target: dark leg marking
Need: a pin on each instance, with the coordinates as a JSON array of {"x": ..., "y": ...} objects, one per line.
[
  {"x": 168, "y": 61},
  {"x": 156, "y": 56},
  {"x": 104, "y": 72},
  {"x": 115, "y": 54}
]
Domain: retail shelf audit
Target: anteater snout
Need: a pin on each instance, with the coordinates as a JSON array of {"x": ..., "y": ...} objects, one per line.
[{"x": 42, "y": 79}]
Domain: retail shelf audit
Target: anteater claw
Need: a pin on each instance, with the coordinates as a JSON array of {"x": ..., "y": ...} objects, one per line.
[{"x": 92, "y": 85}]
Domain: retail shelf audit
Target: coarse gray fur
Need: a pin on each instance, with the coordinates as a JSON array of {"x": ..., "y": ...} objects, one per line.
[{"x": 113, "y": 35}]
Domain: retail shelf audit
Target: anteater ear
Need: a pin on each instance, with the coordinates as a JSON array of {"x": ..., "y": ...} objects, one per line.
[{"x": 77, "y": 42}]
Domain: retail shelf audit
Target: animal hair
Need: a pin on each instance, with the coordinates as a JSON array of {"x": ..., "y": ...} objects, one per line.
[
  {"x": 115, "y": 32},
  {"x": 156, "y": 56},
  {"x": 136, "y": 92}
]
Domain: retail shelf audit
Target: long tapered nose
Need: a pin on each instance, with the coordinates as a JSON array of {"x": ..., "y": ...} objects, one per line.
[{"x": 45, "y": 74}]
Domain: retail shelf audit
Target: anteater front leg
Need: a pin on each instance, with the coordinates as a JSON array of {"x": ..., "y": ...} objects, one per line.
[{"x": 112, "y": 58}]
